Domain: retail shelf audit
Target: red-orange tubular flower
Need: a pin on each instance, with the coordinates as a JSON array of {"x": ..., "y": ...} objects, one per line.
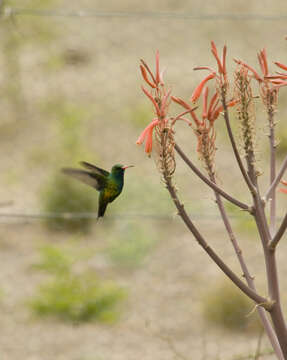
[
  {"x": 283, "y": 190},
  {"x": 262, "y": 58},
  {"x": 160, "y": 98},
  {"x": 220, "y": 63},
  {"x": 265, "y": 77},
  {"x": 281, "y": 78},
  {"x": 220, "y": 75},
  {"x": 198, "y": 90},
  {"x": 210, "y": 111},
  {"x": 147, "y": 136}
]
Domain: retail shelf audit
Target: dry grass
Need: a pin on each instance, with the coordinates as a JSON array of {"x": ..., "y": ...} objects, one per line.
[{"x": 93, "y": 63}]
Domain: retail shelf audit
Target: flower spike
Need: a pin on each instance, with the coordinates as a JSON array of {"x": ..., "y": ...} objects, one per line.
[{"x": 161, "y": 124}]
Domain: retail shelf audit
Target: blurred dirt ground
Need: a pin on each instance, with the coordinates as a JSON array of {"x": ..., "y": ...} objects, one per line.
[{"x": 91, "y": 65}]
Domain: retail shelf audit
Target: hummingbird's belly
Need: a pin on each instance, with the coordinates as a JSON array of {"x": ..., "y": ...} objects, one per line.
[{"x": 111, "y": 193}]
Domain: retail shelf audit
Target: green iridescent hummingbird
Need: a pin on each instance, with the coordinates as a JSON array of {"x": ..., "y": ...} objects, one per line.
[{"x": 109, "y": 184}]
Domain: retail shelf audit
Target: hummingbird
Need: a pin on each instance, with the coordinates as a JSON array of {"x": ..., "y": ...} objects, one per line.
[{"x": 109, "y": 184}]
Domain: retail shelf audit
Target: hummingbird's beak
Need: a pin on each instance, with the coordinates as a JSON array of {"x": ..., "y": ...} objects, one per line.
[{"x": 125, "y": 167}]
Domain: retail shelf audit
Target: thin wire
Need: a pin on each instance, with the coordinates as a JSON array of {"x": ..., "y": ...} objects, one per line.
[
  {"x": 91, "y": 215},
  {"x": 7, "y": 11}
]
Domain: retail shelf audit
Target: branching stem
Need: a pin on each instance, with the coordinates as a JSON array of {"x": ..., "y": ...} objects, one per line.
[
  {"x": 264, "y": 232},
  {"x": 277, "y": 237},
  {"x": 277, "y": 179},
  {"x": 260, "y": 300},
  {"x": 214, "y": 186}
]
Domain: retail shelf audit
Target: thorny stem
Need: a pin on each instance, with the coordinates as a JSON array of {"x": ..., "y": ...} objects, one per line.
[
  {"x": 277, "y": 179},
  {"x": 214, "y": 186},
  {"x": 272, "y": 279},
  {"x": 277, "y": 237},
  {"x": 249, "y": 279},
  {"x": 264, "y": 232},
  {"x": 270, "y": 261}
]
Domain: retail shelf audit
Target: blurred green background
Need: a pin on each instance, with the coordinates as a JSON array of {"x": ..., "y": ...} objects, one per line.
[{"x": 136, "y": 282}]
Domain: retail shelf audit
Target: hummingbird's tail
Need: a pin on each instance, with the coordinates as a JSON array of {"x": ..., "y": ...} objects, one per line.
[{"x": 102, "y": 209}]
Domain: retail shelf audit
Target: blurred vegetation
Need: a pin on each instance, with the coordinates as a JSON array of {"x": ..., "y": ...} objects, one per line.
[
  {"x": 33, "y": 52},
  {"x": 282, "y": 144},
  {"x": 131, "y": 247},
  {"x": 63, "y": 195},
  {"x": 226, "y": 306},
  {"x": 71, "y": 123},
  {"x": 243, "y": 220},
  {"x": 39, "y": 27},
  {"x": 15, "y": 35},
  {"x": 2, "y": 295},
  {"x": 75, "y": 297},
  {"x": 55, "y": 260},
  {"x": 78, "y": 298},
  {"x": 139, "y": 115}
]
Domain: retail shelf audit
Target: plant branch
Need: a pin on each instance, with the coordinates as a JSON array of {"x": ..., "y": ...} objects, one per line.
[
  {"x": 277, "y": 179},
  {"x": 272, "y": 275},
  {"x": 249, "y": 279},
  {"x": 251, "y": 179},
  {"x": 260, "y": 300},
  {"x": 211, "y": 184},
  {"x": 277, "y": 237}
]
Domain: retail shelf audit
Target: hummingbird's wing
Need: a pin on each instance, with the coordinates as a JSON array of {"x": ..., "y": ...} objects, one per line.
[
  {"x": 95, "y": 180},
  {"x": 94, "y": 168}
]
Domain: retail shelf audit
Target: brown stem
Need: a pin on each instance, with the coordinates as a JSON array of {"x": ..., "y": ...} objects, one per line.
[
  {"x": 232, "y": 237},
  {"x": 260, "y": 300},
  {"x": 277, "y": 237},
  {"x": 260, "y": 218},
  {"x": 249, "y": 279},
  {"x": 277, "y": 179},
  {"x": 272, "y": 275},
  {"x": 214, "y": 186},
  {"x": 270, "y": 260},
  {"x": 276, "y": 312}
]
